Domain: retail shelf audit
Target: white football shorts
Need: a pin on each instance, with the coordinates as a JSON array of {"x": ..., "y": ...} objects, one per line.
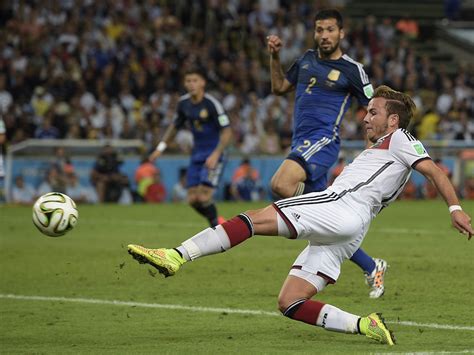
[{"x": 334, "y": 231}]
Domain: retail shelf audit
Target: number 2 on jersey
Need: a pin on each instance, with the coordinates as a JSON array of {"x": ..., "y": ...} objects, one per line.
[
  {"x": 312, "y": 82},
  {"x": 305, "y": 145}
]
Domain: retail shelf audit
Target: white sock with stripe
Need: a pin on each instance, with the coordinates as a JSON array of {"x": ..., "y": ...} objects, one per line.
[{"x": 336, "y": 320}]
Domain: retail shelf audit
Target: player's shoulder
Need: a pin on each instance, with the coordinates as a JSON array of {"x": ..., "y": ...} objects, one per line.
[
  {"x": 183, "y": 99},
  {"x": 212, "y": 100},
  {"x": 394, "y": 139},
  {"x": 355, "y": 68},
  {"x": 403, "y": 135},
  {"x": 403, "y": 143},
  {"x": 349, "y": 61},
  {"x": 308, "y": 55},
  {"x": 402, "y": 138}
]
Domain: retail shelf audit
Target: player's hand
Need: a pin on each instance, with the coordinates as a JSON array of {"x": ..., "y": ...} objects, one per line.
[
  {"x": 153, "y": 156},
  {"x": 274, "y": 44},
  {"x": 462, "y": 222},
  {"x": 212, "y": 160}
]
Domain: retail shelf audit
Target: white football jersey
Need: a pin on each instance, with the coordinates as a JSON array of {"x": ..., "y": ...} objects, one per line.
[{"x": 377, "y": 176}]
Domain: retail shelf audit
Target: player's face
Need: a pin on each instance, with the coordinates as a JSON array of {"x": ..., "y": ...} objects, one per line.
[
  {"x": 327, "y": 36},
  {"x": 377, "y": 120},
  {"x": 194, "y": 84}
]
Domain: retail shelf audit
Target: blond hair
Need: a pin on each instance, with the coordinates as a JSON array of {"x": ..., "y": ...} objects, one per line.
[{"x": 397, "y": 103}]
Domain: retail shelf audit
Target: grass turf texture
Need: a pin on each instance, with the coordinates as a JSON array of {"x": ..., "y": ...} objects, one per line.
[{"x": 429, "y": 281}]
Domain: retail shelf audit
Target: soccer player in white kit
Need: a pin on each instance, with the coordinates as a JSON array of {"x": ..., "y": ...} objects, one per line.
[{"x": 334, "y": 221}]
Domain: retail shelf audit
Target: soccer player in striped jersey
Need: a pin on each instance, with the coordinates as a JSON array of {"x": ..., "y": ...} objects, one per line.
[
  {"x": 325, "y": 81},
  {"x": 334, "y": 221},
  {"x": 209, "y": 124}
]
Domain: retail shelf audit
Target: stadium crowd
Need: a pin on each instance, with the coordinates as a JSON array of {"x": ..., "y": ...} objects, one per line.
[{"x": 113, "y": 69}]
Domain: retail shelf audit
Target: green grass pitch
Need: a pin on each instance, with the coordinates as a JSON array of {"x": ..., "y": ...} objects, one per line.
[{"x": 430, "y": 281}]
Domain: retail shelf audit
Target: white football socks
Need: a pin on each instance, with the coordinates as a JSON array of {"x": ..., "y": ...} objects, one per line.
[
  {"x": 336, "y": 320},
  {"x": 209, "y": 241}
]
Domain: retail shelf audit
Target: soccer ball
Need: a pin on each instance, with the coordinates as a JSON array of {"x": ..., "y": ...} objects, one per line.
[{"x": 55, "y": 214}]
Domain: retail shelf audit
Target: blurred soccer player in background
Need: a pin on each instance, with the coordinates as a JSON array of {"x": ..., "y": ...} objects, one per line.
[
  {"x": 212, "y": 134},
  {"x": 325, "y": 81}
]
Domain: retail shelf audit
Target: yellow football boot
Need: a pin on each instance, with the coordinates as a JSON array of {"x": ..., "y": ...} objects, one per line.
[
  {"x": 373, "y": 327},
  {"x": 166, "y": 261}
]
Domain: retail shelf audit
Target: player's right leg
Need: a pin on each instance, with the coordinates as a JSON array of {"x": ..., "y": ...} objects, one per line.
[
  {"x": 202, "y": 183},
  {"x": 301, "y": 285}
]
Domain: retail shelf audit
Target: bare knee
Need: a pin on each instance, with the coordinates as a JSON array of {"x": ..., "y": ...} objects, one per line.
[
  {"x": 284, "y": 303},
  {"x": 293, "y": 290}
]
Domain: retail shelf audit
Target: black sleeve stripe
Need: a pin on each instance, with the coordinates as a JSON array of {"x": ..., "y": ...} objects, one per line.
[{"x": 408, "y": 134}]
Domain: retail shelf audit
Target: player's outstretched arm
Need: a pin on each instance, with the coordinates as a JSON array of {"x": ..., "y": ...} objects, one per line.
[
  {"x": 280, "y": 85},
  {"x": 460, "y": 220},
  {"x": 160, "y": 148}
]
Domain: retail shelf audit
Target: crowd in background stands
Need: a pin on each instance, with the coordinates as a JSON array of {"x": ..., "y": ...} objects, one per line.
[{"x": 113, "y": 69}]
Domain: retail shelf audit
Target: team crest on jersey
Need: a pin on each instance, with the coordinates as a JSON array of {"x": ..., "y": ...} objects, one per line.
[
  {"x": 203, "y": 114},
  {"x": 419, "y": 149},
  {"x": 334, "y": 75}
]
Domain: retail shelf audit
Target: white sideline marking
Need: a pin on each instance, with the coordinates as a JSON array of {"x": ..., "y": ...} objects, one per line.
[
  {"x": 139, "y": 304},
  {"x": 204, "y": 309},
  {"x": 429, "y": 352}
]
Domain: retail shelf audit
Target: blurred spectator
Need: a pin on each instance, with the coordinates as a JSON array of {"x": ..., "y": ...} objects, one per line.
[
  {"x": 245, "y": 184},
  {"x": 408, "y": 27},
  {"x": 386, "y": 32},
  {"x": 22, "y": 193},
  {"x": 452, "y": 9},
  {"x": 144, "y": 176},
  {"x": 106, "y": 177},
  {"x": 409, "y": 191},
  {"x": 428, "y": 126},
  {"x": 270, "y": 141},
  {"x": 2, "y": 169},
  {"x": 6, "y": 99},
  {"x": 466, "y": 131},
  {"x": 54, "y": 181},
  {"x": 469, "y": 188},
  {"x": 47, "y": 130},
  {"x": 41, "y": 102},
  {"x": 429, "y": 191},
  {"x": 62, "y": 161},
  {"x": 78, "y": 192},
  {"x": 180, "y": 192},
  {"x": 251, "y": 141},
  {"x": 156, "y": 191}
]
